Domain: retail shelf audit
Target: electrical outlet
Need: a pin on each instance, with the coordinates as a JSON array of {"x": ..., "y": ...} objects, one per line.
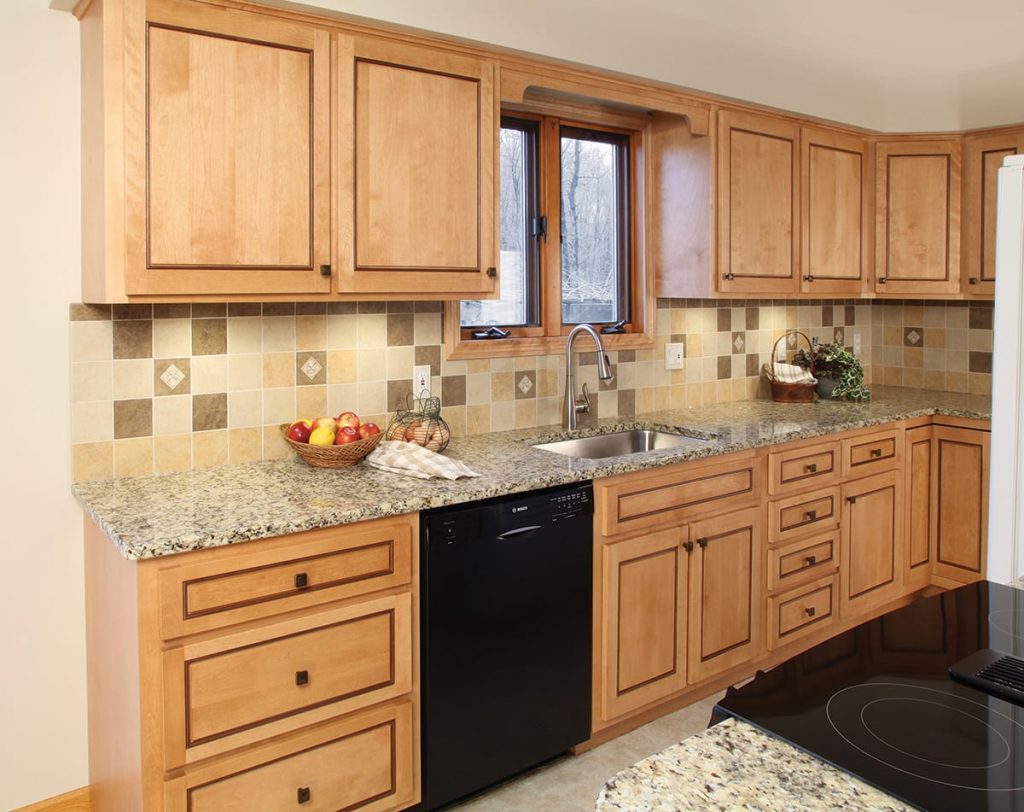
[
  {"x": 856, "y": 342},
  {"x": 674, "y": 354},
  {"x": 420, "y": 379}
]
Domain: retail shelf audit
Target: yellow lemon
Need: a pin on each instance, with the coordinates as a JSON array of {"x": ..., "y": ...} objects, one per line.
[{"x": 321, "y": 435}]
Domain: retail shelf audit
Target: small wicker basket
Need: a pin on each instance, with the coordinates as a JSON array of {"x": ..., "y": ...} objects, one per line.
[
  {"x": 332, "y": 456},
  {"x": 783, "y": 392}
]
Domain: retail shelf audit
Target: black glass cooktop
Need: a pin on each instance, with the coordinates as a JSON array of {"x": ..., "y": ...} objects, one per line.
[{"x": 878, "y": 701}]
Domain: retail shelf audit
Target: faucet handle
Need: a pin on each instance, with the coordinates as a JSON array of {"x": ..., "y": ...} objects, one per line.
[{"x": 582, "y": 403}]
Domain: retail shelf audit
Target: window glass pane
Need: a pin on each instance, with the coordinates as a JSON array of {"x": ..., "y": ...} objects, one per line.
[
  {"x": 512, "y": 309},
  {"x": 592, "y": 238}
]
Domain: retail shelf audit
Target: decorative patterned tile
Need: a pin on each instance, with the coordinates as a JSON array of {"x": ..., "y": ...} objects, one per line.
[
  {"x": 171, "y": 376},
  {"x": 739, "y": 342},
  {"x": 311, "y": 368},
  {"x": 913, "y": 337},
  {"x": 839, "y": 335}
]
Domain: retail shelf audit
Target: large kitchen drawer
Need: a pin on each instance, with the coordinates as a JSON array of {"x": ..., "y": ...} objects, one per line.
[
  {"x": 872, "y": 453},
  {"x": 803, "y": 560},
  {"x": 677, "y": 493},
  {"x": 800, "y": 515},
  {"x": 807, "y": 466},
  {"x": 229, "y": 585},
  {"x": 232, "y": 690},
  {"x": 798, "y": 612},
  {"x": 362, "y": 761}
]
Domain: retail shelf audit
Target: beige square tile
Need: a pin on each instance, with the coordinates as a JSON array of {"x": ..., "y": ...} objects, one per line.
[
  {"x": 92, "y": 340},
  {"x": 980, "y": 340},
  {"x": 462, "y": 367},
  {"x": 93, "y": 421},
  {"x": 341, "y": 332},
  {"x": 372, "y": 397},
  {"x": 278, "y": 369},
  {"x": 892, "y": 376},
  {"x": 172, "y": 338},
  {"x": 343, "y": 397},
  {"x": 935, "y": 337},
  {"x": 913, "y": 357},
  {"x": 341, "y": 366},
  {"x": 934, "y": 379},
  {"x": 92, "y": 461},
  {"x": 172, "y": 453},
  {"x": 934, "y": 316},
  {"x": 478, "y": 389},
  {"x": 310, "y": 332},
  {"x": 957, "y": 338},
  {"x": 549, "y": 411},
  {"x": 455, "y": 417},
  {"x": 279, "y": 406},
  {"x": 245, "y": 334},
  {"x": 274, "y": 446},
  {"x": 245, "y": 409},
  {"x": 172, "y": 415},
  {"x": 503, "y": 415},
  {"x": 372, "y": 330},
  {"x": 526, "y": 413},
  {"x": 478, "y": 418},
  {"x": 400, "y": 363},
  {"x": 245, "y": 372},
  {"x": 133, "y": 379},
  {"x": 371, "y": 365},
  {"x": 209, "y": 449},
  {"x": 644, "y": 400},
  {"x": 502, "y": 386},
  {"x": 312, "y": 400},
  {"x": 980, "y": 383},
  {"x": 209, "y": 374},
  {"x": 502, "y": 364},
  {"x": 245, "y": 445},
  {"x": 91, "y": 380},
  {"x": 427, "y": 328},
  {"x": 278, "y": 333},
  {"x": 957, "y": 361},
  {"x": 914, "y": 378},
  {"x": 958, "y": 381},
  {"x": 957, "y": 318},
  {"x": 478, "y": 365},
  {"x": 133, "y": 457}
]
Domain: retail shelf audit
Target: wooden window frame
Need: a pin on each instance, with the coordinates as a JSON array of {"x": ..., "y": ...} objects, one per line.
[{"x": 549, "y": 337}]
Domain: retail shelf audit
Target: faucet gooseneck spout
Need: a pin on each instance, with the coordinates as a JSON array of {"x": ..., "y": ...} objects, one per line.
[{"x": 573, "y": 405}]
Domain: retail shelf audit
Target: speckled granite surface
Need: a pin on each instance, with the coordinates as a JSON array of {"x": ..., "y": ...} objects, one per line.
[
  {"x": 153, "y": 516},
  {"x": 735, "y": 766}
]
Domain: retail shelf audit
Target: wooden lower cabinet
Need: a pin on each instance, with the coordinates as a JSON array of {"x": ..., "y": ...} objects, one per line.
[
  {"x": 919, "y": 525},
  {"x": 872, "y": 542},
  {"x": 960, "y": 502}
]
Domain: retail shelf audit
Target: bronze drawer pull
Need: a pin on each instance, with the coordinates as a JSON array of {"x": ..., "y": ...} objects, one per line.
[
  {"x": 876, "y": 452},
  {"x": 851, "y": 499},
  {"x": 301, "y": 580},
  {"x": 703, "y": 543},
  {"x": 811, "y": 560},
  {"x": 302, "y": 678},
  {"x": 688, "y": 546},
  {"x": 812, "y": 515},
  {"x": 810, "y": 610},
  {"x": 811, "y": 468},
  {"x": 302, "y": 795}
]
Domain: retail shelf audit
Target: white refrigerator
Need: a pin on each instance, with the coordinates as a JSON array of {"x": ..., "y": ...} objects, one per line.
[{"x": 1006, "y": 483}]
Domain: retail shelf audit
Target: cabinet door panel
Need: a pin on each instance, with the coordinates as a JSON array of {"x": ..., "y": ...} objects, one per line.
[
  {"x": 919, "y": 521},
  {"x": 726, "y": 592},
  {"x": 872, "y": 542},
  {"x": 960, "y": 494}
]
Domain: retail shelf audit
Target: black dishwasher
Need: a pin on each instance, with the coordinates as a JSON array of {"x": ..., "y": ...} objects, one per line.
[{"x": 506, "y": 604}]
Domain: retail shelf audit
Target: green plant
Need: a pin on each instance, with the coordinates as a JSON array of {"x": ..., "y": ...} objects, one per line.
[{"x": 834, "y": 361}]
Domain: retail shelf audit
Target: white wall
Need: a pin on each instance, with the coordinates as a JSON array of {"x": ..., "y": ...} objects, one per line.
[{"x": 42, "y": 631}]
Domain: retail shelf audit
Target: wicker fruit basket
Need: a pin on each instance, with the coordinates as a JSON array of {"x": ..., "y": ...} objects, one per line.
[
  {"x": 332, "y": 456},
  {"x": 783, "y": 392}
]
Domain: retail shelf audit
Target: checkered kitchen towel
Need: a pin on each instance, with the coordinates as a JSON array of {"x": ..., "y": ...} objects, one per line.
[{"x": 410, "y": 459}]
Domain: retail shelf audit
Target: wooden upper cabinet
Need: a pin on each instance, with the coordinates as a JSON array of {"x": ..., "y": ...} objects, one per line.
[
  {"x": 983, "y": 155},
  {"x": 758, "y": 182},
  {"x": 917, "y": 198},
  {"x": 834, "y": 212},
  {"x": 417, "y": 170},
  {"x": 228, "y": 155}
]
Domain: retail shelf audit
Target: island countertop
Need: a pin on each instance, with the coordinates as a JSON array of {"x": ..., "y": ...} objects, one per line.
[{"x": 146, "y": 517}]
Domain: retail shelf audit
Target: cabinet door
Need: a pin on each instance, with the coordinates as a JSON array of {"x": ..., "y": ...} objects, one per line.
[
  {"x": 919, "y": 510},
  {"x": 872, "y": 542},
  {"x": 917, "y": 199},
  {"x": 726, "y": 592},
  {"x": 834, "y": 214},
  {"x": 642, "y": 656},
  {"x": 758, "y": 178},
  {"x": 983, "y": 155},
  {"x": 418, "y": 132},
  {"x": 228, "y": 155},
  {"x": 960, "y": 496}
]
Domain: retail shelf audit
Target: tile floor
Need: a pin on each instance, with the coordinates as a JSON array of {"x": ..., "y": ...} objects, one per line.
[{"x": 571, "y": 784}]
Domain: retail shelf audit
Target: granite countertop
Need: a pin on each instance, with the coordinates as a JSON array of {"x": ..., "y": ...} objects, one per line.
[
  {"x": 147, "y": 517},
  {"x": 736, "y": 766}
]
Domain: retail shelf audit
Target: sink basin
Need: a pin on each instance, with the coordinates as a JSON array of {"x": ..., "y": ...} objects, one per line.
[{"x": 619, "y": 443}]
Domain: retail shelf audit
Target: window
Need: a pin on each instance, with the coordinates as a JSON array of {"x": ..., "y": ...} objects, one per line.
[{"x": 567, "y": 224}]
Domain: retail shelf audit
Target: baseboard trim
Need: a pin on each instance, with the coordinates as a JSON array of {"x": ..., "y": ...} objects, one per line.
[{"x": 74, "y": 801}]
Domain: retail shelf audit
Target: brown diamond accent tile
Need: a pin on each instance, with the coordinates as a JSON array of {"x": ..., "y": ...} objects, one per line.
[
  {"x": 133, "y": 418},
  {"x": 753, "y": 318},
  {"x": 310, "y": 368},
  {"x": 209, "y": 310},
  {"x": 980, "y": 362},
  {"x": 525, "y": 384},
  {"x": 913, "y": 336},
  {"x": 245, "y": 309},
  {"x": 428, "y": 355},
  {"x": 453, "y": 390},
  {"x": 279, "y": 308},
  {"x": 739, "y": 343},
  {"x": 209, "y": 412},
  {"x": 724, "y": 367},
  {"x": 400, "y": 329},
  {"x": 399, "y": 395},
  {"x": 174, "y": 310},
  {"x": 627, "y": 402},
  {"x": 839, "y": 335},
  {"x": 209, "y": 336},
  {"x": 753, "y": 365},
  {"x": 133, "y": 339},
  {"x": 89, "y": 312},
  {"x": 132, "y": 312},
  {"x": 172, "y": 376},
  {"x": 724, "y": 319},
  {"x": 310, "y": 308}
]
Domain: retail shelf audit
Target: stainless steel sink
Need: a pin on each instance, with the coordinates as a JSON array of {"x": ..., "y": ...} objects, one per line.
[{"x": 619, "y": 443}]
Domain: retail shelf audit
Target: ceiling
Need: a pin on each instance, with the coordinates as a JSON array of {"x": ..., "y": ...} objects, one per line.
[{"x": 896, "y": 65}]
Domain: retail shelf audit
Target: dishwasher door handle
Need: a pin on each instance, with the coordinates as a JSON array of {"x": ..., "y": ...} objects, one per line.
[{"x": 519, "y": 531}]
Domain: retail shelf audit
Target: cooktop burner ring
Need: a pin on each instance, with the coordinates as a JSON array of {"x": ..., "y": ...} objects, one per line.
[
  {"x": 872, "y": 686},
  {"x": 995, "y": 617}
]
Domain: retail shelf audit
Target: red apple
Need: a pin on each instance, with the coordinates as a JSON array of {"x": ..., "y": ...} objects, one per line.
[
  {"x": 368, "y": 430},
  {"x": 348, "y": 419},
  {"x": 326, "y": 422},
  {"x": 346, "y": 434},
  {"x": 299, "y": 431}
]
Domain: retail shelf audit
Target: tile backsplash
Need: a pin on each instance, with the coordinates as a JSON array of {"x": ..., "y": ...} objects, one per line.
[{"x": 169, "y": 387}]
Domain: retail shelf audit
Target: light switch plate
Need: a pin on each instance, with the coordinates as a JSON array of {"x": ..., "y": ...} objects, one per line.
[
  {"x": 856, "y": 342},
  {"x": 420, "y": 379},
  {"x": 674, "y": 354}
]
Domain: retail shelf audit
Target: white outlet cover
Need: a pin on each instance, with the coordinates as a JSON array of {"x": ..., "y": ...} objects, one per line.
[
  {"x": 674, "y": 354},
  {"x": 420, "y": 379}
]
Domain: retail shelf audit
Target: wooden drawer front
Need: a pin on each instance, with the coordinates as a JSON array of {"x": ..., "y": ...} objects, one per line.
[
  {"x": 314, "y": 568},
  {"x": 803, "y": 468},
  {"x": 798, "y": 516},
  {"x": 253, "y": 684},
  {"x": 871, "y": 453},
  {"x": 801, "y": 611},
  {"x": 801, "y": 561},
  {"x": 637, "y": 501},
  {"x": 363, "y": 762}
]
